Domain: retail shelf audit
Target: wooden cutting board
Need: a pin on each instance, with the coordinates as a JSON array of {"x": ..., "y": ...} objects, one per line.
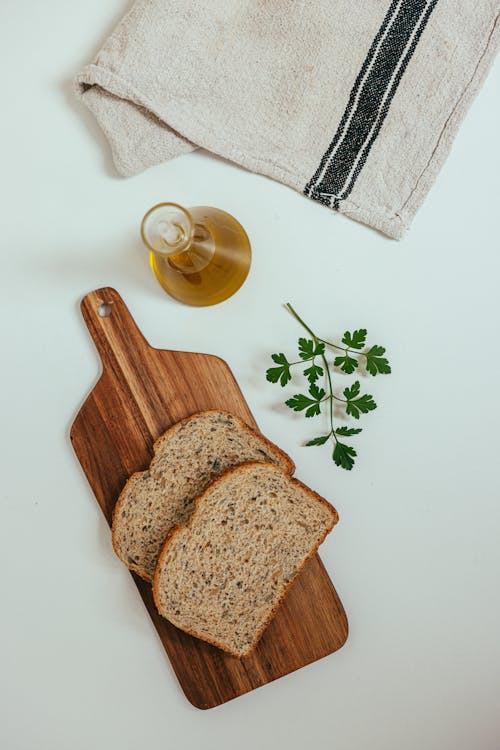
[{"x": 140, "y": 393}]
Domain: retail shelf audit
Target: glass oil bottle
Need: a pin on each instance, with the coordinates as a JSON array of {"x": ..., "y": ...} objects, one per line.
[{"x": 200, "y": 256}]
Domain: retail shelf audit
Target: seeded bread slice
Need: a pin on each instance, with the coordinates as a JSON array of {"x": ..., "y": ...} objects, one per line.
[
  {"x": 221, "y": 576},
  {"x": 187, "y": 458}
]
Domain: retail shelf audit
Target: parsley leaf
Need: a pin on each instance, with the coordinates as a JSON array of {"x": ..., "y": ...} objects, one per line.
[
  {"x": 313, "y": 372},
  {"x": 281, "y": 373},
  {"x": 299, "y": 402},
  {"x": 308, "y": 349},
  {"x": 375, "y": 363},
  {"x": 343, "y": 455},
  {"x": 356, "y": 404},
  {"x": 347, "y": 364},
  {"x": 356, "y": 339},
  {"x": 353, "y": 391},
  {"x": 318, "y": 440},
  {"x": 317, "y": 393},
  {"x": 348, "y": 430}
]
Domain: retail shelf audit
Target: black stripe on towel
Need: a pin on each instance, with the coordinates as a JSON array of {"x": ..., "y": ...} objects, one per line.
[{"x": 369, "y": 100}]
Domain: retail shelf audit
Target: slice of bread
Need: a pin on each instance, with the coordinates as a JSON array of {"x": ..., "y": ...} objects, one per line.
[
  {"x": 221, "y": 576},
  {"x": 187, "y": 458}
]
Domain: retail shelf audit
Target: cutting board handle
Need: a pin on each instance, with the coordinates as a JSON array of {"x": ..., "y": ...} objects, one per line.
[{"x": 112, "y": 327}]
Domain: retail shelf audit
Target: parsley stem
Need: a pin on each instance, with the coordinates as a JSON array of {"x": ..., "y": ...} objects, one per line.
[
  {"x": 299, "y": 319},
  {"x": 325, "y": 362},
  {"x": 345, "y": 349},
  {"x": 317, "y": 338},
  {"x": 328, "y": 374},
  {"x": 335, "y": 346}
]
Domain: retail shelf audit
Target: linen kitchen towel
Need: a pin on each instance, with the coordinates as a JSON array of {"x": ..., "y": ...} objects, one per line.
[{"x": 354, "y": 104}]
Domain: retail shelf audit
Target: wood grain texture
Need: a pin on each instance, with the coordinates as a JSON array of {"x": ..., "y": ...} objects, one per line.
[{"x": 141, "y": 392}]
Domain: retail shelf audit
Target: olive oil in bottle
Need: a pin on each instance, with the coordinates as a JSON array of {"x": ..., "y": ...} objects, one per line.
[{"x": 200, "y": 255}]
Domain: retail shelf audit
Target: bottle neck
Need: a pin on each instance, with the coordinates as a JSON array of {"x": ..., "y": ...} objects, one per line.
[
  {"x": 173, "y": 238},
  {"x": 168, "y": 229}
]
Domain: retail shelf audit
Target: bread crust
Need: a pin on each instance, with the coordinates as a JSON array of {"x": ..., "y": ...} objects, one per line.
[
  {"x": 180, "y": 527},
  {"x": 272, "y": 447}
]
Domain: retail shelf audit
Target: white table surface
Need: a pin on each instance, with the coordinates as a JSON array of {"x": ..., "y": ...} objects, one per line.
[{"x": 416, "y": 555}]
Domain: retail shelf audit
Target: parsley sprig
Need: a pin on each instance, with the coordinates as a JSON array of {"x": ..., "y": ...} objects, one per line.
[{"x": 313, "y": 351}]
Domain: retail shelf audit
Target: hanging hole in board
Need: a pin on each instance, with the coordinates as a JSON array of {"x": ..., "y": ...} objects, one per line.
[{"x": 104, "y": 310}]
